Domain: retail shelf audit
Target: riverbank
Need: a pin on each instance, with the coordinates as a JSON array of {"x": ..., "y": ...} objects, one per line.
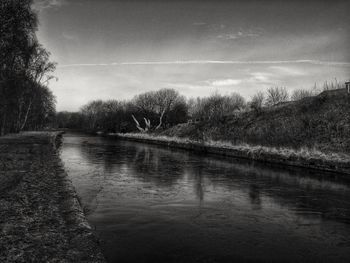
[
  {"x": 306, "y": 158},
  {"x": 41, "y": 219},
  {"x": 321, "y": 122}
]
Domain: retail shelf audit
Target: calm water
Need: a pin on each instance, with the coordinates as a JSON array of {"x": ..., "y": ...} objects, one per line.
[{"x": 152, "y": 204}]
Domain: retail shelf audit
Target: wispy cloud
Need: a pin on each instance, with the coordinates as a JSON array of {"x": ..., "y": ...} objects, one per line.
[
  {"x": 40, "y": 5},
  {"x": 290, "y": 71},
  {"x": 261, "y": 77},
  {"x": 203, "y": 88},
  {"x": 214, "y": 62},
  {"x": 237, "y": 35},
  {"x": 224, "y": 82},
  {"x": 241, "y": 34}
]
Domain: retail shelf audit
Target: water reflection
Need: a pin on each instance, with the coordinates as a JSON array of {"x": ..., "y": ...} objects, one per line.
[
  {"x": 254, "y": 194},
  {"x": 199, "y": 183},
  {"x": 156, "y": 204}
]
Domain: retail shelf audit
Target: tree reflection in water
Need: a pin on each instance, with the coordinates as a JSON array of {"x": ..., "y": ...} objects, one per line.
[{"x": 152, "y": 196}]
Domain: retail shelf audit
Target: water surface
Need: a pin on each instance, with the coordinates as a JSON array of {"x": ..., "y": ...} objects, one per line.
[{"x": 153, "y": 204}]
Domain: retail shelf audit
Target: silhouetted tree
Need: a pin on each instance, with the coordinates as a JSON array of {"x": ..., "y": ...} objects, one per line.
[
  {"x": 70, "y": 120},
  {"x": 25, "y": 101},
  {"x": 93, "y": 112},
  {"x": 156, "y": 105}
]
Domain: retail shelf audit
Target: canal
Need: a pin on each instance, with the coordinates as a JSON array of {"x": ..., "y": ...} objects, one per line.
[{"x": 154, "y": 204}]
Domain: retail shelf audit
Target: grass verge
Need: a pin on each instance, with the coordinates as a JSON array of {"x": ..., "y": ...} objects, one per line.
[{"x": 305, "y": 157}]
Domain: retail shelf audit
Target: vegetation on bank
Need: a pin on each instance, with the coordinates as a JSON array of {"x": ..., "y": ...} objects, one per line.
[
  {"x": 145, "y": 112},
  {"x": 321, "y": 122},
  {"x": 250, "y": 150},
  {"x": 165, "y": 108},
  {"x": 317, "y": 118},
  {"x": 26, "y": 103}
]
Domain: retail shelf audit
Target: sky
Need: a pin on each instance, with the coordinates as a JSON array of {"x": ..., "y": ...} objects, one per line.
[{"x": 115, "y": 49}]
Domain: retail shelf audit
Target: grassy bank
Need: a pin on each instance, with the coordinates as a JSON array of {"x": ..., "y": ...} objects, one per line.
[
  {"x": 40, "y": 216},
  {"x": 303, "y": 157},
  {"x": 321, "y": 122}
]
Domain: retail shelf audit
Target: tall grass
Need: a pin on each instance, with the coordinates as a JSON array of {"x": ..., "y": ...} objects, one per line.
[{"x": 253, "y": 150}]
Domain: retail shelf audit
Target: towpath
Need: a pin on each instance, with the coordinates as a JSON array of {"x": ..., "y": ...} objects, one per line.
[{"x": 41, "y": 219}]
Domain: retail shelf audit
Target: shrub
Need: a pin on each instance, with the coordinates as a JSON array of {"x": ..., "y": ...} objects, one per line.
[
  {"x": 257, "y": 102},
  {"x": 301, "y": 93},
  {"x": 276, "y": 95}
]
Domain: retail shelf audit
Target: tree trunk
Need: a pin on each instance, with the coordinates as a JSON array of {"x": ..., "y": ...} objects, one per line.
[
  {"x": 137, "y": 124},
  {"x": 148, "y": 124},
  {"x": 160, "y": 120},
  {"x": 18, "y": 124},
  {"x": 26, "y": 116}
]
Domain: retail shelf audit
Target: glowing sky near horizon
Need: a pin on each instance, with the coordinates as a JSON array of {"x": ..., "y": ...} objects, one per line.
[{"x": 114, "y": 49}]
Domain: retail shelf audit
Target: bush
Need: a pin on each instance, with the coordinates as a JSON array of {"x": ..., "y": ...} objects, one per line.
[
  {"x": 257, "y": 102},
  {"x": 276, "y": 95},
  {"x": 301, "y": 93}
]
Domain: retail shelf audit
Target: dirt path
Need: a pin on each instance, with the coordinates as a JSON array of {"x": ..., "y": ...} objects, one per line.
[{"x": 40, "y": 216}]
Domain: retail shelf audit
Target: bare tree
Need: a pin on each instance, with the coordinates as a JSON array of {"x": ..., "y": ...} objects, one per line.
[
  {"x": 276, "y": 95},
  {"x": 257, "y": 101},
  {"x": 216, "y": 106},
  {"x": 156, "y": 103},
  {"x": 300, "y": 94},
  {"x": 195, "y": 108},
  {"x": 333, "y": 85},
  {"x": 147, "y": 123},
  {"x": 92, "y": 111},
  {"x": 166, "y": 99},
  {"x": 237, "y": 102},
  {"x": 39, "y": 66},
  {"x": 24, "y": 69}
]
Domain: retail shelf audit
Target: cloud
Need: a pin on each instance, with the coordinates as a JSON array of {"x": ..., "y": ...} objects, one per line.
[
  {"x": 241, "y": 34},
  {"x": 186, "y": 86},
  {"x": 289, "y": 71},
  {"x": 40, "y": 5},
  {"x": 261, "y": 77},
  {"x": 224, "y": 82},
  {"x": 201, "y": 88},
  {"x": 191, "y": 89},
  {"x": 204, "y": 62}
]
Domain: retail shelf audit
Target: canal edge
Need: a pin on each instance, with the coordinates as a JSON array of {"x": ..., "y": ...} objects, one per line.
[
  {"x": 333, "y": 168},
  {"x": 41, "y": 217},
  {"x": 72, "y": 207}
]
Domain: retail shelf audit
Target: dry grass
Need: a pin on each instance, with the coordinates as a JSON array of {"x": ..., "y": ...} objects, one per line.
[{"x": 253, "y": 150}]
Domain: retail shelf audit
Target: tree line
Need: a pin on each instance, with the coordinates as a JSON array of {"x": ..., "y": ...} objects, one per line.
[
  {"x": 26, "y": 103},
  {"x": 164, "y": 108}
]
